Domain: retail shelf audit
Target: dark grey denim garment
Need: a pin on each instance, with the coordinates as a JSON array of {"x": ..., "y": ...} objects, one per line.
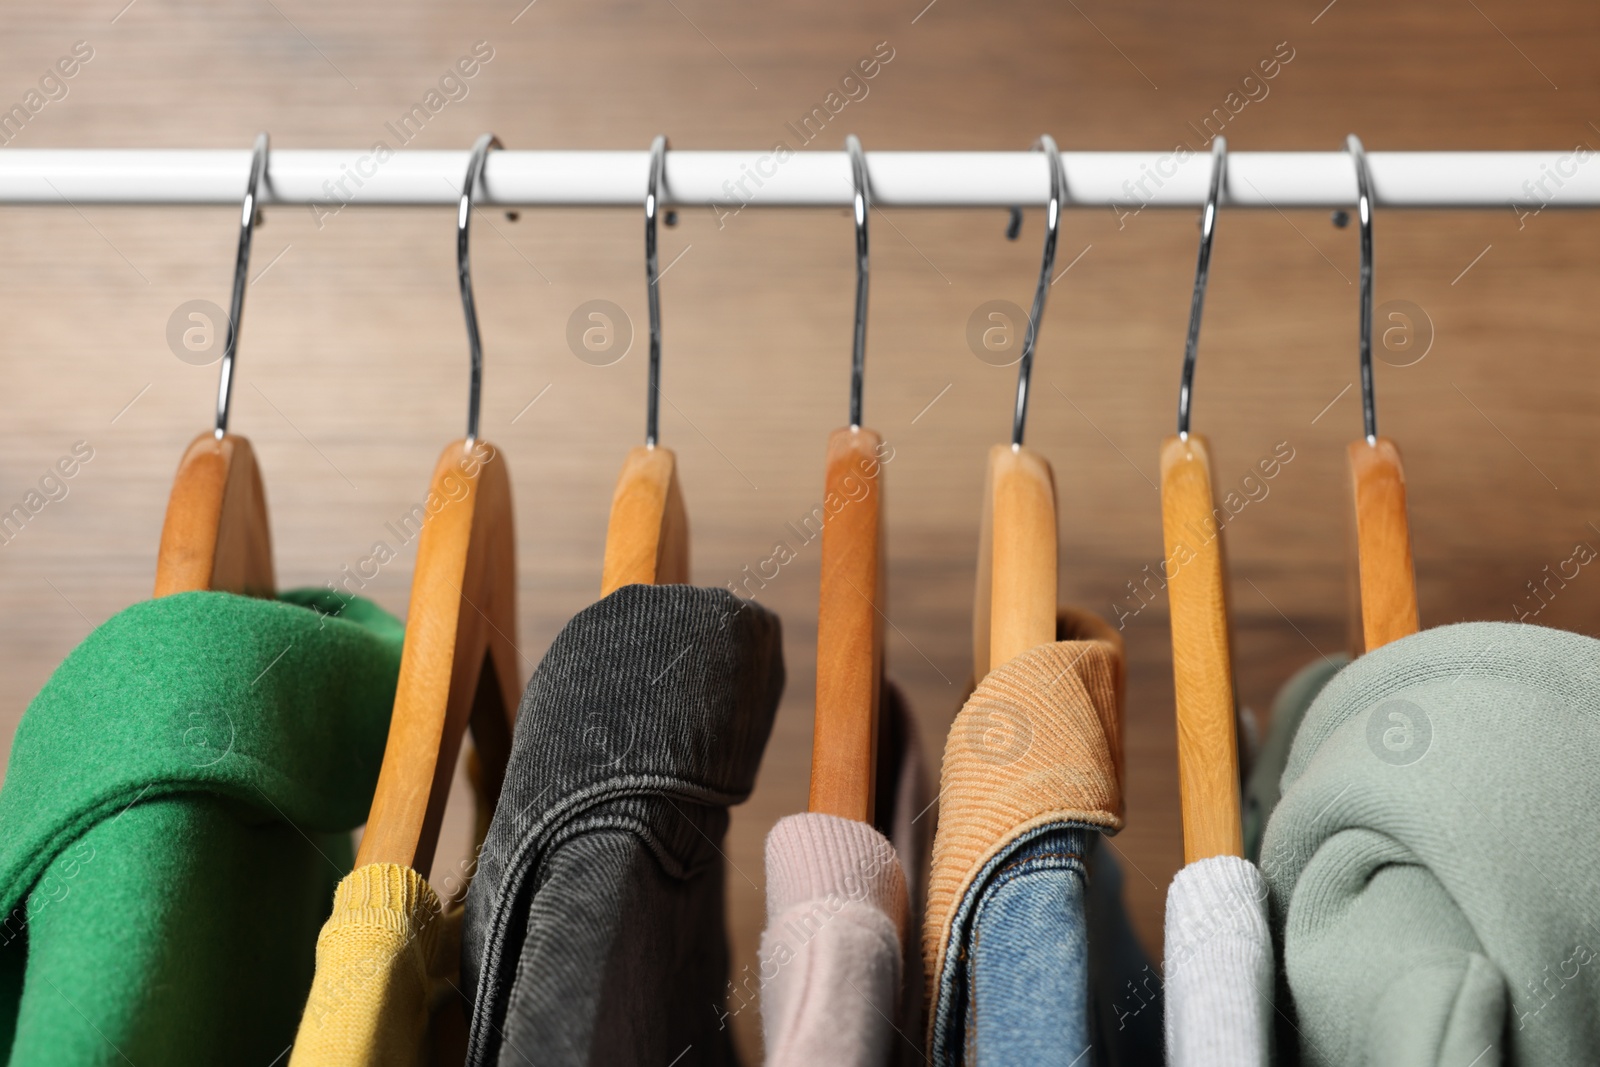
[{"x": 594, "y": 929}]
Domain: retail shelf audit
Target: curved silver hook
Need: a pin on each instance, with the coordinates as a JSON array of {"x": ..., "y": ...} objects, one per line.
[
  {"x": 652, "y": 274},
  {"x": 1202, "y": 275},
  {"x": 1052, "y": 225},
  {"x": 241, "y": 278},
  {"x": 1369, "y": 403},
  {"x": 475, "y": 162},
  {"x": 863, "y": 205}
]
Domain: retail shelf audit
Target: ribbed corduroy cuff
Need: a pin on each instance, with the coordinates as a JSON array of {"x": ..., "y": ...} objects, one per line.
[{"x": 1038, "y": 742}]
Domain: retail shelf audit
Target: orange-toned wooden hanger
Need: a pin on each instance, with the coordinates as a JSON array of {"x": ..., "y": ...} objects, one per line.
[
  {"x": 647, "y": 538},
  {"x": 850, "y": 613},
  {"x": 1384, "y": 574},
  {"x": 1014, "y": 608},
  {"x": 1195, "y": 569},
  {"x": 459, "y": 664},
  {"x": 216, "y": 534}
]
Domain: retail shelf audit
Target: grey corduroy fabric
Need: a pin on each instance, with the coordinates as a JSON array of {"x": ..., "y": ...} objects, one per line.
[
  {"x": 594, "y": 930},
  {"x": 1434, "y": 862}
]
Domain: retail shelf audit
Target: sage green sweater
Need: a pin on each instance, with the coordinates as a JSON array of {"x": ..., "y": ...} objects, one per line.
[
  {"x": 1434, "y": 862},
  {"x": 1289, "y": 707},
  {"x": 175, "y": 816}
]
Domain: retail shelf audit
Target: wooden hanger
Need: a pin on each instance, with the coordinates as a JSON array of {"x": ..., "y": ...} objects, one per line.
[
  {"x": 1385, "y": 575},
  {"x": 459, "y": 665},
  {"x": 1384, "y": 572},
  {"x": 216, "y": 534},
  {"x": 844, "y": 740},
  {"x": 1195, "y": 569},
  {"x": 1014, "y": 608},
  {"x": 647, "y": 538},
  {"x": 1202, "y": 662}
]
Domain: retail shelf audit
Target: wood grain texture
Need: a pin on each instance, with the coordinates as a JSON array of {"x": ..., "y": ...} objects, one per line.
[
  {"x": 647, "y": 539},
  {"x": 983, "y": 594},
  {"x": 1388, "y": 581},
  {"x": 850, "y": 614},
  {"x": 462, "y": 620},
  {"x": 216, "y": 534},
  {"x": 1019, "y": 596},
  {"x": 1202, "y": 660}
]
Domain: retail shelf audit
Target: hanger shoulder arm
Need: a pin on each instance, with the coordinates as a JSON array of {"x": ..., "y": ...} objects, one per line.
[
  {"x": 1387, "y": 577},
  {"x": 1195, "y": 571},
  {"x": 1023, "y": 554},
  {"x": 491, "y": 592},
  {"x": 849, "y": 629},
  {"x": 216, "y": 534},
  {"x": 458, "y": 664},
  {"x": 647, "y": 537}
]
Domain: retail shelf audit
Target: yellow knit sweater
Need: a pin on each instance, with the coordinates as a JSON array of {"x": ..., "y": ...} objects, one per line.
[{"x": 387, "y": 963}]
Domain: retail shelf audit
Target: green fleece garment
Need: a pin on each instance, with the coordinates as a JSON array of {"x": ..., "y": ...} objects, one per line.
[
  {"x": 175, "y": 816},
  {"x": 1262, "y": 789},
  {"x": 1434, "y": 862}
]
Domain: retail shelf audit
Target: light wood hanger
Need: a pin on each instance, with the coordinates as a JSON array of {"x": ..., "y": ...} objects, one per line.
[
  {"x": 216, "y": 534},
  {"x": 844, "y": 741},
  {"x": 1385, "y": 575},
  {"x": 1195, "y": 569},
  {"x": 647, "y": 537},
  {"x": 459, "y": 664},
  {"x": 1014, "y": 608}
]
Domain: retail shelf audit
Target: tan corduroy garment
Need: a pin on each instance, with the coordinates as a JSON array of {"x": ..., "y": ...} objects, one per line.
[{"x": 1039, "y": 741}]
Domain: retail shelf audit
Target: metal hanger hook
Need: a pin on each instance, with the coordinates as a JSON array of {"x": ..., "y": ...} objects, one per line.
[
  {"x": 1369, "y": 404},
  {"x": 1202, "y": 276},
  {"x": 656, "y": 185},
  {"x": 1052, "y": 226},
  {"x": 863, "y": 207},
  {"x": 241, "y": 277},
  {"x": 475, "y": 167}
]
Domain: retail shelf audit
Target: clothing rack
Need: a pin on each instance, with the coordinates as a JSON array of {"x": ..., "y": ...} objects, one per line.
[{"x": 326, "y": 180}]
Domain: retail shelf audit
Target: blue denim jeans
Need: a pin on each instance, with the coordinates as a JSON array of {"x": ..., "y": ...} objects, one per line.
[{"x": 1040, "y": 957}]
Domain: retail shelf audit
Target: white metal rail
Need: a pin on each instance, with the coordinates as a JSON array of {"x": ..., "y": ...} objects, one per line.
[{"x": 724, "y": 181}]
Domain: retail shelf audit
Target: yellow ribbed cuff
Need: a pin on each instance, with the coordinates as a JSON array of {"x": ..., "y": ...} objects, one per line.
[{"x": 379, "y": 957}]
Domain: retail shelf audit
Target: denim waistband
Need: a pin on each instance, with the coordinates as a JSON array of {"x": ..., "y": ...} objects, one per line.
[{"x": 1019, "y": 933}]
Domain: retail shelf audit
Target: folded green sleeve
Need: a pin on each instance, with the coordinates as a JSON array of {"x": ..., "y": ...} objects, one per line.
[{"x": 174, "y": 818}]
